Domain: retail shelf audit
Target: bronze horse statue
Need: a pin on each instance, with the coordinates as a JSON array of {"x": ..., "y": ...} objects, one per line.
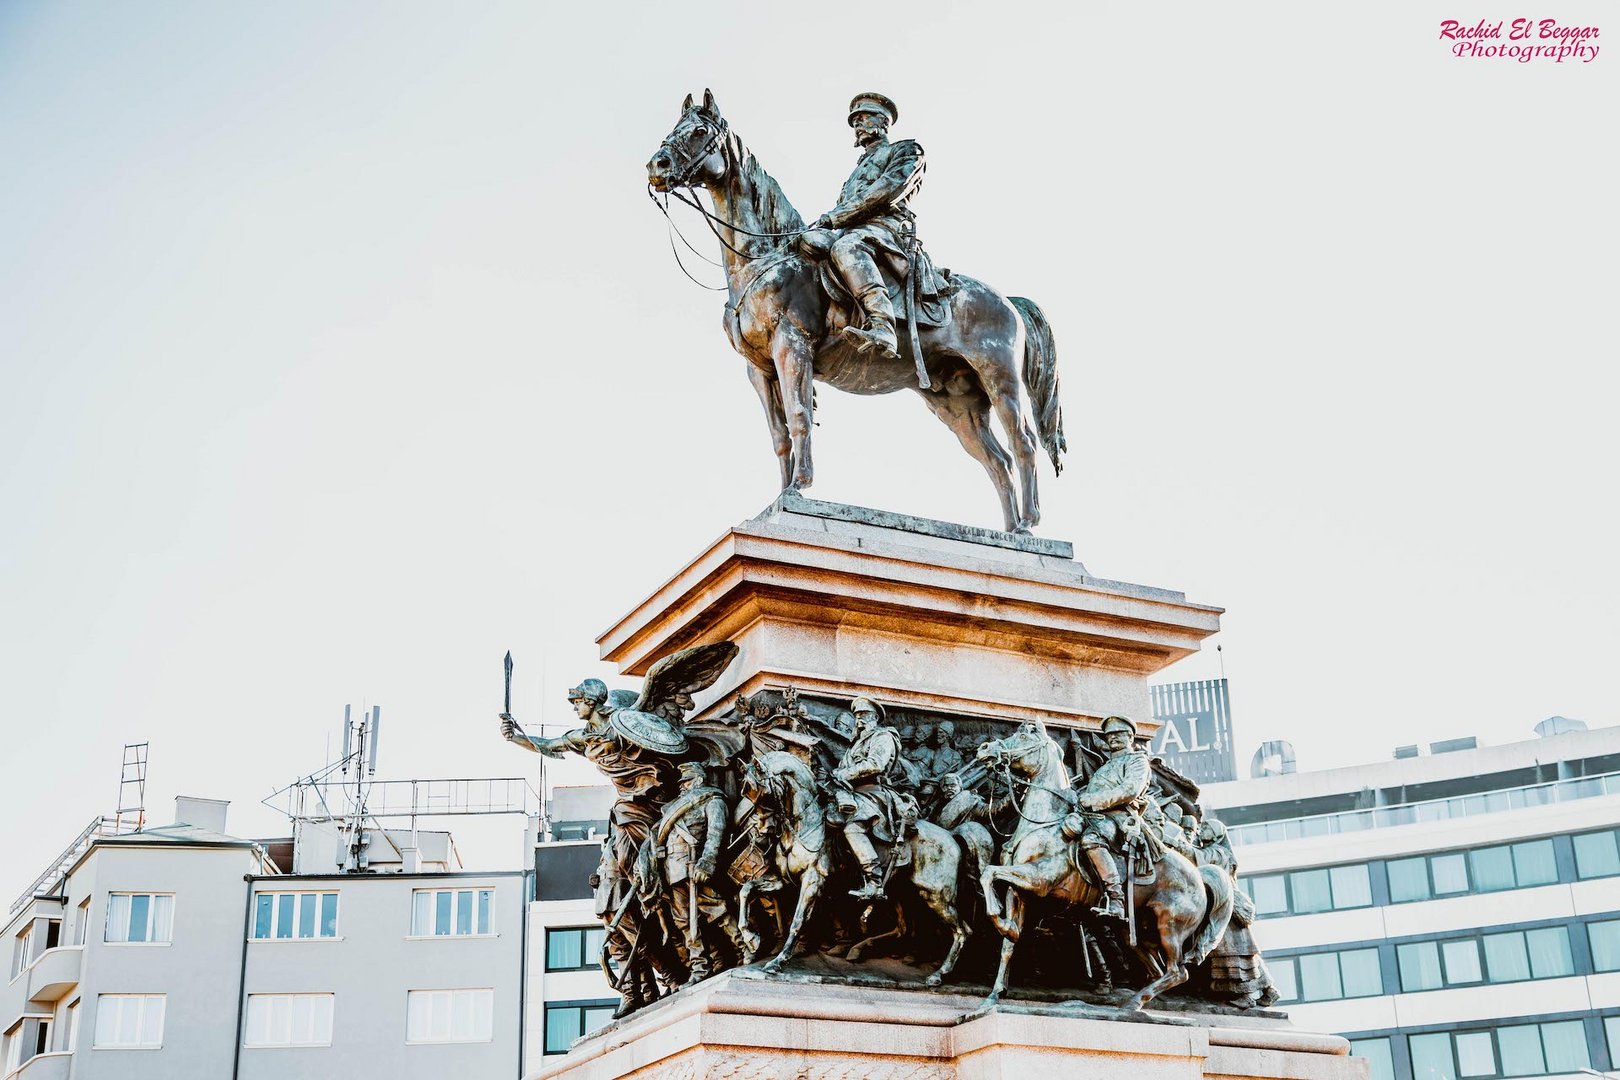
[
  {"x": 940, "y": 870},
  {"x": 993, "y": 354},
  {"x": 1188, "y": 906}
]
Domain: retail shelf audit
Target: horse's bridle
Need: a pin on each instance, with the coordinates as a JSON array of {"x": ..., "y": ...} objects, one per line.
[
  {"x": 682, "y": 178},
  {"x": 1004, "y": 760}
]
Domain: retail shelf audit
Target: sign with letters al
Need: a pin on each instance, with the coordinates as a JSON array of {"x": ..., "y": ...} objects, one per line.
[{"x": 1195, "y": 729}]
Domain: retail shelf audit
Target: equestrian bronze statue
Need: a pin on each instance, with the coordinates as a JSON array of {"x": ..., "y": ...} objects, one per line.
[
  {"x": 855, "y": 302},
  {"x": 798, "y": 834}
]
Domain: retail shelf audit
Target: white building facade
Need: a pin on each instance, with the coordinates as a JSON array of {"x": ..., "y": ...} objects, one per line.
[{"x": 1456, "y": 915}]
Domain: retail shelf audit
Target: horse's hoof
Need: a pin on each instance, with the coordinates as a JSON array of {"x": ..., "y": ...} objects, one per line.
[
  {"x": 933, "y": 980},
  {"x": 853, "y": 956},
  {"x": 774, "y": 967}
]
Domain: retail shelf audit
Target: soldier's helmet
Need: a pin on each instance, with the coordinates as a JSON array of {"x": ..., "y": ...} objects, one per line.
[
  {"x": 594, "y": 691},
  {"x": 693, "y": 770},
  {"x": 873, "y": 102},
  {"x": 1119, "y": 723},
  {"x": 863, "y": 706}
]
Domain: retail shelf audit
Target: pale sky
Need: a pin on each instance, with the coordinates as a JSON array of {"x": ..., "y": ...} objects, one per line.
[{"x": 342, "y": 352}]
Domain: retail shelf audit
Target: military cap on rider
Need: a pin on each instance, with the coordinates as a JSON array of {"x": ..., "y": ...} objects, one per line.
[
  {"x": 592, "y": 690},
  {"x": 872, "y": 102},
  {"x": 1118, "y": 723},
  {"x": 693, "y": 770}
]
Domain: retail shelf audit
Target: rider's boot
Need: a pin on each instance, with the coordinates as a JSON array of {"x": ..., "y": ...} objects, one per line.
[
  {"x": 1107, "y": 870},
  {"x": 866, "y": 285},
  {"x": 633, "y": 1000},
  {"x": 860, "y": 845}
]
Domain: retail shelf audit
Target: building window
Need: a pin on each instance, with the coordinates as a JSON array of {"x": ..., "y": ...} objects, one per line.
[
  {"x": 28, "y": 1038},
  {"x": 294, "y": 916},
  {"x": 1492, "y": 869},
  {"x": 1328, "y": 976},
  {"x": 573, "y": 948},
  {"x": 1380, "y": 1063},
  {"x": 146, "y": 918},
  {"x": 442, "y": 912},
  {"x": 568, "y": 1020},
  {"x": 1514, "y": 1050},
  {"x": 1597, "y": 854},
  {"x": 129, "y": 1021},
  {"x": 1302, "y": 892},
  {"x": 1604, "y": 938},
  {"x": 289, "y": 1020},
  {"x": 1611, "y": 1030},
  {"x": 81, "y": 922},
  {"x": 449, "y": 1016},
  {"x": 1494, "y": 958}
]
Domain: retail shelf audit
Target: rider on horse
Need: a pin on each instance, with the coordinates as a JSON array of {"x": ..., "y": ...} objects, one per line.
[
  {"x": 862, "y": 799},
  {"x": 872, "y": 221},
  {"x": 1114, "y": 796}
]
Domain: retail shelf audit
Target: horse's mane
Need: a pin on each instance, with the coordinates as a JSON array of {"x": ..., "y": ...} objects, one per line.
[{"x": 772, "y": 211}]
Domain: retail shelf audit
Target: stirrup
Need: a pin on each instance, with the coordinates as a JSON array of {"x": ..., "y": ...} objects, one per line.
[{"x": 865, "y": 341}]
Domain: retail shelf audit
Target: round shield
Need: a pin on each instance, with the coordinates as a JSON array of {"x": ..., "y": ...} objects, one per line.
[{"x": 649, "y": 731}]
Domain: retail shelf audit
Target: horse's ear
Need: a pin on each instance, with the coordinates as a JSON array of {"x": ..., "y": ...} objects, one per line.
[
  {"x": 708, "y": 103},
  {"x": 686, "y": 106}
]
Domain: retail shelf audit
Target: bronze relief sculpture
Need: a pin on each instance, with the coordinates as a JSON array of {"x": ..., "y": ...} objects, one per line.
[
  {"x": 854, "y": 301},
  {"x": 789, "y": 831}
]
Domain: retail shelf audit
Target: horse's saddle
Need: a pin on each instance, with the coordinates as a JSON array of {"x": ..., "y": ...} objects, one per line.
[{"x": 934, "y": 290}]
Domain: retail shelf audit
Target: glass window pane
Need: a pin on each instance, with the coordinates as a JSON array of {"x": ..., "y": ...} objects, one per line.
[
  {"x": 1565, "y": 1043},
  {"x": 258, "y": 1021},
  {"x": 163, "y": 918},
  {"x": 1521, "y": 1050},
  {"x": 1408, "y": 879},
  {"x": 422, "y": 913},
  {"x": 562, "y": 950},
  {"x": 1270, "y": 894},
  {"x": 303, "y": 1019},
  {"x": 129, "y": 1021},
  {"x": 1311, "y": 891},
  {"x": 464, "y": 912},
  {"x": 595, "y": 937},
  {"x": 1361, "y": 973},
  {"x": 1493, "y": 868},
  {"x": 261, "y": 916},
  {"x": 417, "y": 1011},
  {"x": 1419, "y": 962},
  {"x": 461, "y": 1018},
  {"x": 441, "y": 912},
  {"x": 140, "y": 913},
  {"x": 484, "y": 897},
  {"x": 439, "y": 1026},
  {"x": 106, "y": 1021},
  {"x": 1505, "y": 958},
  {"x": 1431, "y": 1057},
  {"x": 1282, "y": 973},
  {"x": 1475, "y": 1057},
  {"x": 1450, "y": 874},
  {"x": 322, "y": 1030},
  {"x": 284, "y": 916},
  {"x": 1549, "y": 952},
  {"x": 1597, "y": 855},
  {"x": 1611, "y": 1028},
  {"x": 1533, "y": 863},
  {"x": 329, "y": 918},
  {"x": 483, "y": 1014},
  {"x": 1462, "y": 961},
  {"x": 306, "y": 915},
  {"x": 562, "y": 1028},
  {"x": 1319, "y": 977},
  {"x": 1380, "y": 1063},
  {"x": 151, "y": 1021},
  {"x": 1605, "y": 939},
  {"x": 1351, "y": 886},
  {"x": 597, "y": 1016}
]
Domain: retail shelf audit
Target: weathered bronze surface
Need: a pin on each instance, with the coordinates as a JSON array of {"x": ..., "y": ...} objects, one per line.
[
  {"x": 794, "y": 831},
  {"x": 855, "y": 302}
]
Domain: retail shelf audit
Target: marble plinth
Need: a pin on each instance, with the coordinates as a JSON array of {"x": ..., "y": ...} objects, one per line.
[
  {"x": 839, "y": 600},
  {"x": 734, "y": 1026}
]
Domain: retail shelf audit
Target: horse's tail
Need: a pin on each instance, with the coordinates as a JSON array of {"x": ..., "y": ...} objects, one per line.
[
  {"x": 1041, "y": 378},
  {"x": 978, "y": 850},
  {"x": 1218, "y": 887}
]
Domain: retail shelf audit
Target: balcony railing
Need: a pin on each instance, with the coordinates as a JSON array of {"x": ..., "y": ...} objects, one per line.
[{"x": 1458, "y": 806}]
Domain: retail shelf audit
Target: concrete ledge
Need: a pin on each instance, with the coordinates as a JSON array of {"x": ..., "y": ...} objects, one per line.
[{"x": 740, "y": 1027}]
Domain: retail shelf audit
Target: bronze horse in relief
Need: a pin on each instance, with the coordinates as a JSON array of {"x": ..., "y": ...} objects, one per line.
[
  {"x": 994, "y": 355},
  {"x": 1186, "y": 907}
]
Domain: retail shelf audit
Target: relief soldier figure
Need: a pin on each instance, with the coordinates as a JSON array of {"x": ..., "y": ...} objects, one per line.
[
  {"x": 1114, "y": 796},
  {"x": 863, "y": 801},
  {"x": 690, "y": 837}
]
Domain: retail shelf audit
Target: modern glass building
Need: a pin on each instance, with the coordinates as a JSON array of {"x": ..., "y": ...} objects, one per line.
[{"x": 1456, "y": 914}]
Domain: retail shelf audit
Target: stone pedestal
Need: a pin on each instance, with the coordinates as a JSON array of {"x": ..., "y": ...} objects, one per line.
[
  {"x": 838, "y": 601},
  {"x": 733, "y": 1026}
]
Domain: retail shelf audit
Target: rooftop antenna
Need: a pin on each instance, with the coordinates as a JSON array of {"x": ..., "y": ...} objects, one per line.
[
  {"x": 360, "y": 741},
  {"x": 131, "y": 790},
  {"x": 1221, "y": 656}
]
